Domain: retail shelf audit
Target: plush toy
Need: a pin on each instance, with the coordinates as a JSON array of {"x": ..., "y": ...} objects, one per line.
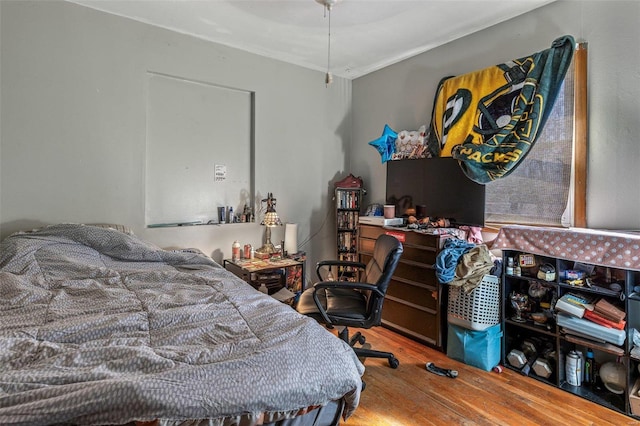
[{"x": 411, "y": 144}]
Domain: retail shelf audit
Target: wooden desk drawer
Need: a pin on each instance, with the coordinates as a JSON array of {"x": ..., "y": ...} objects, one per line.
[
  {"x": 365, "y": 245},
  {"x": 411, "y": 319},
  {"x": 372, "y": 232},
  {"x": 411, "y": 272},
  {"x": 237, "y": 271},
  {"x": 425, "y": 275},
  {"x": 418, "y": 294},
  {"x": 419, "y": 255},
  {"x": 410, "y": 237},
  {"x": 426, "y": 240},
  {"x": 409, "y": 252}
]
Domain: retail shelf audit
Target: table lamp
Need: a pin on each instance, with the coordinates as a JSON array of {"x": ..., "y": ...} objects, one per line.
[{"x": 270, "y": 220}]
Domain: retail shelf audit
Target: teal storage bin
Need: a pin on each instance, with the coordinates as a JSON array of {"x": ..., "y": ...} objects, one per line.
[{"x": 480, "y": 349}]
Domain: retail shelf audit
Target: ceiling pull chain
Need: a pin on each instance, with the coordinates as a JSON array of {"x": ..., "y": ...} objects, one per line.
[
  {"x": 328, "y": 78},
  {"x": 328, "y": 5}
]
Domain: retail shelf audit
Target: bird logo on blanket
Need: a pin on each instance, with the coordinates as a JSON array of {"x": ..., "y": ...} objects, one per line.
[{"x": 489, "y": 119}]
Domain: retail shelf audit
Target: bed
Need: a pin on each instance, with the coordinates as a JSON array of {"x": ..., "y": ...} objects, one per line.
[{"x": 98, "y": 326}]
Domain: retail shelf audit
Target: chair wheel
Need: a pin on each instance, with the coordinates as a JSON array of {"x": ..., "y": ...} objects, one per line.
[
  {"x": 394, "y": 363},
  {"x": 364, "y": 385},
  {"x": 362, "y": 339}
]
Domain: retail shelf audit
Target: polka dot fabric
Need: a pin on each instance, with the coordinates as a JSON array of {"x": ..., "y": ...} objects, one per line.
[
  {"x": 602, "y": 248},
  {"x": 100, "y": 327}
]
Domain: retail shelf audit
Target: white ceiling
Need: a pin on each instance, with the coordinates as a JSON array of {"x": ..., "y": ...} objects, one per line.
[{"x": 366, "y": 35}]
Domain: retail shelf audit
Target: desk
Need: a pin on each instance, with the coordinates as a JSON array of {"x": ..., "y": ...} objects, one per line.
[{"x": 275, "y": 274}]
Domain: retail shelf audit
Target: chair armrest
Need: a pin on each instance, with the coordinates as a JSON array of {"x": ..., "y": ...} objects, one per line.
[
  {"x": 323, "y": 263},
  {"x": 349, "y": 284}
]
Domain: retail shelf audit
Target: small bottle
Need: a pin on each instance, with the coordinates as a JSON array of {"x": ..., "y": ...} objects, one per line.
[
  {"x": 231, "y": 217},
  {"x": 243, "y": 215},
  {"x": 223, "y": 214},
  {"x": 235, "y": 251},
  {"x": 517, "y": 270},
  {"x": 510, "y": 269},
  {"x": 588, "y": 368}
]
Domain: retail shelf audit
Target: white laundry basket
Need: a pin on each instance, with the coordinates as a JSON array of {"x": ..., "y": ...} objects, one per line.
[{"x": 477, "y": 310}]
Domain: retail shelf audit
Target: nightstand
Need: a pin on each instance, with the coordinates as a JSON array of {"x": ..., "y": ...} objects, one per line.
[{"x": 274, "y": 274}]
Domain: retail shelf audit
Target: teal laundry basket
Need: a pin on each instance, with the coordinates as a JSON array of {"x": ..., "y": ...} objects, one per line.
[{"x": 480, "y": 349}]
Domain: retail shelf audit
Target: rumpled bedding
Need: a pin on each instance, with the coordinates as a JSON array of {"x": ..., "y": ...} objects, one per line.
[{"x": 101, "y": 327}]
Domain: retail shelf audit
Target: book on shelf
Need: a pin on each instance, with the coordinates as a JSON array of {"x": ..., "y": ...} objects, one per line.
[
  {"x": 348, "y": 220},
  {"x": 574, "y": 304},
  {"x": 349, "y": 199},
  {"x": 598, "y": 319},
  {"x": 609, "y": 311},
  {"x": 589, "y": 328},
  {"x": 569, "y": 308}
]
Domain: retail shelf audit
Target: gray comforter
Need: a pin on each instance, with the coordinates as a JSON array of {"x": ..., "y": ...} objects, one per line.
[{"x": 100, "y": 327}]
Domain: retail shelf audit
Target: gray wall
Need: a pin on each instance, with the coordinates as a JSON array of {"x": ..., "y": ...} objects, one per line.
[
  {"x": 73, "y": 107},
  {"x": 73, "y": 128},
  {"x": 401, "y": 95}
]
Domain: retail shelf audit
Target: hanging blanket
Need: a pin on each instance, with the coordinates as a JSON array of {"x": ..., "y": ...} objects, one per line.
[{"x": 489, "y": 119}]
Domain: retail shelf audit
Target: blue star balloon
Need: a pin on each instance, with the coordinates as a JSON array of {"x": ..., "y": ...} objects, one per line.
[{"x": 386, "y": 144}]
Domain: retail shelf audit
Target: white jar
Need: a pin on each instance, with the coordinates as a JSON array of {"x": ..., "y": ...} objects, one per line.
[{"x": 510, "y": 269}]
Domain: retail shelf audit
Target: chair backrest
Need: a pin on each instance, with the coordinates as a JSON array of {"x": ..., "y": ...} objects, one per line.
[{"x": 386, "y": 254}]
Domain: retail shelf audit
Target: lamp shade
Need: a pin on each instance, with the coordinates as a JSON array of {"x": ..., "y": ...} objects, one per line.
[{"x": 271, "y": 219}]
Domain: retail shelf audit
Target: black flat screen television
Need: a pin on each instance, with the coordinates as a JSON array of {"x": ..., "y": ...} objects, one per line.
[{"x": 435, "y": 187}]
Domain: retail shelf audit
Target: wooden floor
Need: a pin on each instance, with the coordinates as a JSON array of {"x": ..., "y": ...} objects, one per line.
[{"x": 410, "y": 395}]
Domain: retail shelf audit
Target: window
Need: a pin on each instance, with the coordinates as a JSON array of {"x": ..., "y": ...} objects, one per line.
[{"x": 549, "y": 186}]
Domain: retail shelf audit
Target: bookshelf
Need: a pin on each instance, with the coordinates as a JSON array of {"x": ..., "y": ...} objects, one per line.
[{"x": 348, "y": 202}]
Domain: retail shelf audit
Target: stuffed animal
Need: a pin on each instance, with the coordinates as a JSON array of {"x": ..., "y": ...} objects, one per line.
[{"x": 411, "y": 144}]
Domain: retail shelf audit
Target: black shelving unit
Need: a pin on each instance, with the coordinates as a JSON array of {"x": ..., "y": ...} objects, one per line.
[{"x": 552, "y": 342}]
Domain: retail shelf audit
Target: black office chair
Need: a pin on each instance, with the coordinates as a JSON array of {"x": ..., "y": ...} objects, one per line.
[{"x": 355, "y": 304}]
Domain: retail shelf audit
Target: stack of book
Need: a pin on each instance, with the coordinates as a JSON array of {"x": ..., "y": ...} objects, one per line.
[
  {"x": 600, "y": 319},
  {"x": 606, "y": 314}
]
